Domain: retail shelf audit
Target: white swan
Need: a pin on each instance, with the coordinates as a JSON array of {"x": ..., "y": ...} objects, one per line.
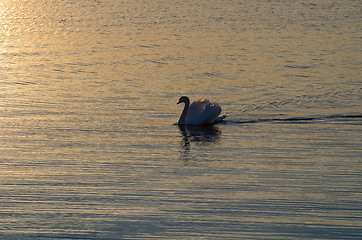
[{"x": 200, "y": 112}]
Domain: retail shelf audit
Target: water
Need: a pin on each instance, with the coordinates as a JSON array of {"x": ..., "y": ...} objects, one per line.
[{"x": 89, "y": 149}]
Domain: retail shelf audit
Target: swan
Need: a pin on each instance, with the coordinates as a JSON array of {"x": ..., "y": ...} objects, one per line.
[{"x": 199, "y": 112}]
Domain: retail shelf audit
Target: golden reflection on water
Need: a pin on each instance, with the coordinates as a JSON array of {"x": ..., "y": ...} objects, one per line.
[{"x": 88, "y": 102}]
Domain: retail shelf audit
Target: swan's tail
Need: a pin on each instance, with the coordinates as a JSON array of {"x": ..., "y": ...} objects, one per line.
[{"x": 220, "y": 118}]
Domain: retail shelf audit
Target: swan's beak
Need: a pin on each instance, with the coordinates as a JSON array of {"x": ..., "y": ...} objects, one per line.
[{"x": 179, "y": 102}]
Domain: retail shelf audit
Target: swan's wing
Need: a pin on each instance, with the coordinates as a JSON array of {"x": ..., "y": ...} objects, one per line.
[
  {"x": 212, "y": 111},
  {"x": 195, "y": 109},
  {"x": 202, "y": 111}
]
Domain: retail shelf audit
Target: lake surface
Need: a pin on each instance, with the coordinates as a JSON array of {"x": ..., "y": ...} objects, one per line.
[{"x": 88, "y": 141}]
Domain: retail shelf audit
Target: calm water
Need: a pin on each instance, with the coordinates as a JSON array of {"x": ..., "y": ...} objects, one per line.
[{"x": 89, "y": 149}]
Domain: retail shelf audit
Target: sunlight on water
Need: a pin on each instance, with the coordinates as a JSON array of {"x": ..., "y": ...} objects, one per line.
[{"x": 89, "y": 149}]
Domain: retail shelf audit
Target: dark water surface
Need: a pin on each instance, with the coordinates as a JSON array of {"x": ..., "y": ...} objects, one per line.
[{"x": 89, "y": 149}]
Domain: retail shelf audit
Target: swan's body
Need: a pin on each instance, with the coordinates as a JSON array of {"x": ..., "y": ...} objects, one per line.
[{"x": 199, "y": 112}]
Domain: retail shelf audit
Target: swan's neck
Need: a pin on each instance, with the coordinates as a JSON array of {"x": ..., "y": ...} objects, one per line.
[{"x": 182, "y": 119}]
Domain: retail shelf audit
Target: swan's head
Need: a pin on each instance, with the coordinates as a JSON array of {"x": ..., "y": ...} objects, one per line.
[{"x": 183, "y": 99}]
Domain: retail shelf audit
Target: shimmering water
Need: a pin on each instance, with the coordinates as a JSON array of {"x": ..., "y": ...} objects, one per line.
[{"x": 89, "y": 149}]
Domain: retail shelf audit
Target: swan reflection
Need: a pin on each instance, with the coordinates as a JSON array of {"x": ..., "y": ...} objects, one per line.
[{"x": 204, "y": 134}]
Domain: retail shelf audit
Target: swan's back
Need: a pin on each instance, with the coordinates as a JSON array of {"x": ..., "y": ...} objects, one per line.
[{"x": 202, "y": 111}]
